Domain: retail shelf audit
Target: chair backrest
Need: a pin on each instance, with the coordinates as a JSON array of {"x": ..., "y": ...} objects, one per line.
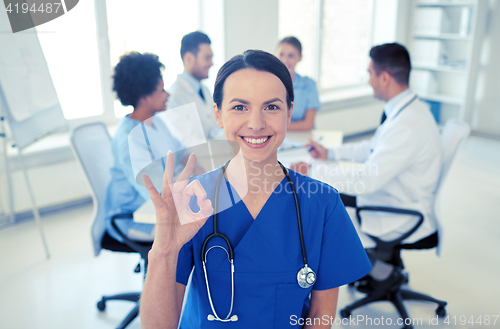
[
  {"x": 91, "y": 145},
  {"x": 453, "y": 135}
]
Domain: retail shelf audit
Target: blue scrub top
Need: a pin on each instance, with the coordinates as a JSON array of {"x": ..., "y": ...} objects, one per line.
[
  {"x": 305, "y": 97},
  {"x": 267, "y": 255}
]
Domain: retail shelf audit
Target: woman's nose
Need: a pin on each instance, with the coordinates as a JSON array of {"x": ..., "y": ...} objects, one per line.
[{"x": 256, "y": 121}]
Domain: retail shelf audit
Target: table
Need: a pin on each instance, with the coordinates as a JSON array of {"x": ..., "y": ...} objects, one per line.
[{"x": 328, "y": 138}]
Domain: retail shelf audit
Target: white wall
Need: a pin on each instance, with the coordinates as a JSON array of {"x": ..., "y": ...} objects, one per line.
[
  {"x": 250, "y": 24},
  {"x": 235, "y": 26},
  {"x": 486, "y": 115}
]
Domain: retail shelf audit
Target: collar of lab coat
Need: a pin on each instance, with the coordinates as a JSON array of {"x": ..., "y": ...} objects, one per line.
[
  {"x": 393, "y": 106},
  {"x": 195, "y": 84}
]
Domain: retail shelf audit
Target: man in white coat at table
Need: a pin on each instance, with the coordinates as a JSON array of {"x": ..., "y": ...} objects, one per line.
[
  {"x": 401, "y": 164},
  {"x": 196, "y": 55}
]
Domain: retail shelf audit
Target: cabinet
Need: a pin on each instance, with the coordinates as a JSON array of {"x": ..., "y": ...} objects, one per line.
[{"x": 445, "y": 40}]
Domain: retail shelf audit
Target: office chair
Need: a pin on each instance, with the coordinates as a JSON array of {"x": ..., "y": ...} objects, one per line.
[
  {"x": 453, "y": 135},
  {"x": 91, "y": 145}
]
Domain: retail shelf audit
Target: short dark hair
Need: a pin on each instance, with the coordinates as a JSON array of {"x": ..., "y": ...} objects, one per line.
[
  {"x": 191, "y": 42},
  {"x": 294, "y": 42},
  {"x": 394, "y": 59},
  {"x": 256, "y": 60},
  {"x": 136, "y": 75}
]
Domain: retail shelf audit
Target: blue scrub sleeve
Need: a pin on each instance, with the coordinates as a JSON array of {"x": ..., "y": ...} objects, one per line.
[
  {"x": 313, "y": 97},
  {"x": 185, "y": 263},
  {"x": 343, "y": 258}
]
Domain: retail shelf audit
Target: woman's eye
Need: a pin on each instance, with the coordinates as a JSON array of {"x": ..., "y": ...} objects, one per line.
[
  {"x": 239, "y": 108},
  {"x": 272, "y": 107}
]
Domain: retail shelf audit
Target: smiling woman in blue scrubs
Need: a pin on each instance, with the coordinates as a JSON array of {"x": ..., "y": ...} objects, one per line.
[
  {"x": 306, "y": 99},
  {"x": 253, "y": 98}
]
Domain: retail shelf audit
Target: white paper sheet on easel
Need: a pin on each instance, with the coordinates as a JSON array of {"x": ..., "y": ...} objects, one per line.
[{"x": 24, "y": 76}]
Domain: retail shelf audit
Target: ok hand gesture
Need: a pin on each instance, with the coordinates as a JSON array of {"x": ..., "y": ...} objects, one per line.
[{"x": 176, "y": 223}]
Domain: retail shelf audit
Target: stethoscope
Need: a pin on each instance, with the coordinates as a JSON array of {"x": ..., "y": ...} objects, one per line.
[
  {"x": 305, "y": 277},
  {"x": 406, "y": 105},
  {"x": 401, "y": 109}
]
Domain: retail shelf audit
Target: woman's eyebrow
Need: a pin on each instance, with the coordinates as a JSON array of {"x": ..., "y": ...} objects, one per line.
[
  {"x": 239, "y": 100},
  {"x": 273, "y": 100}
]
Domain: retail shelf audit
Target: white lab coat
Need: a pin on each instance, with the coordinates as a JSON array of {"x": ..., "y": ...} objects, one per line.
[
  {"x": 181, "y": 124},
  {"x": 401, "y": 168}
]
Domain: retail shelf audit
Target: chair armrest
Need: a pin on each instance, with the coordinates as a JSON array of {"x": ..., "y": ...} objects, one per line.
[
  {"x": 386, "y": 247},
  {"x": 143, "y": 250}
]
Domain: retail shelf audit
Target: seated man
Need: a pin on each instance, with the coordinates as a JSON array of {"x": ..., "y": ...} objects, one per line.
[
  {"x": 401, "y": 163},
  {"x": 137, "y": 81},
  {"x": 196, "y": 55}
]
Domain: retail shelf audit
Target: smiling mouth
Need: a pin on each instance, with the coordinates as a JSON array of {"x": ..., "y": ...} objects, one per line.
[{"x": 256, "y": 141}]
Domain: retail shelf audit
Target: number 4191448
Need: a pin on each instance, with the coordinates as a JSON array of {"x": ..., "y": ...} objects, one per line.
[
  {"x": 479, "y": 320},
  {"x": 25, "y": 8}
]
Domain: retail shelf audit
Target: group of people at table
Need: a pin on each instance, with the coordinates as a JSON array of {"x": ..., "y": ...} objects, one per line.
[{"x": 261, "y": 246}]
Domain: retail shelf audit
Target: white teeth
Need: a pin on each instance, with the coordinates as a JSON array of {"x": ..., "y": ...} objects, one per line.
[{"x": 256, "y": 141}]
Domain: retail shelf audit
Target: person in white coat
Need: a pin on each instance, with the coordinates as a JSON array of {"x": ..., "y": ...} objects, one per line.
[
  {"x": 196, "y": 55},
  {"x": 402, "y": 162}
]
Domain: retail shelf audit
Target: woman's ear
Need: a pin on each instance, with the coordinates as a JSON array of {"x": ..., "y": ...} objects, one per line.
[{"x": 218, "y": 117}]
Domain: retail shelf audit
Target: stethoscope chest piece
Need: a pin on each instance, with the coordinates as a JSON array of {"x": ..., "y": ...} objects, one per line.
[{"x": 306, "y": 277}]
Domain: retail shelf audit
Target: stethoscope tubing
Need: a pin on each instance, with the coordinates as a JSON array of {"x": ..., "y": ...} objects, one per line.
[
  {"x": 223, "y": 236},
  {"x": 215, "y": 227},
  {"x": 216, "y": 316},
  {"x": 297, "y": 209},
  {"x": 414, "y": 98}
]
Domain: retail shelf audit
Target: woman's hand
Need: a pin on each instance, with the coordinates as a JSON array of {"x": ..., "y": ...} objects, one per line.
[
  {"x": 176, "y": 224},
  {"x": 316, "y": 150}
]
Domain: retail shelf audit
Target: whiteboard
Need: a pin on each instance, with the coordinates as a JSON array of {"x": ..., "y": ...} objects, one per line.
[{"x": 27, "y": 93}]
